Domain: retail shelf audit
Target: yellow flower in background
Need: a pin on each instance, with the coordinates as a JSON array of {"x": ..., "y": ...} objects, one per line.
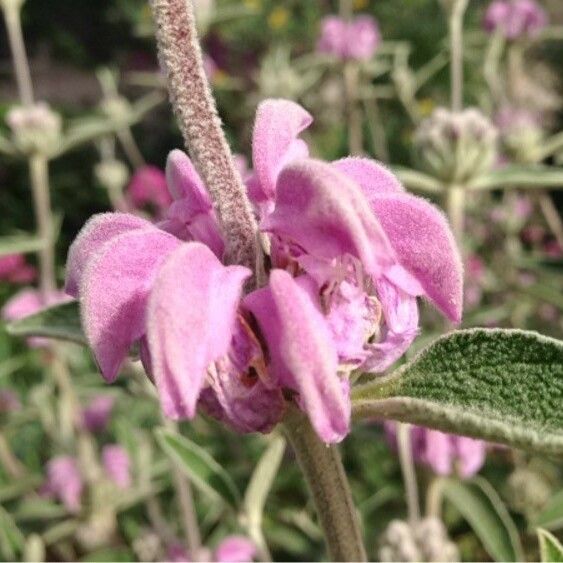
[
  {"x": 361, "y": 4},
  {"x": 278, "y": 18},
  {"x": 426, "y": 106}
]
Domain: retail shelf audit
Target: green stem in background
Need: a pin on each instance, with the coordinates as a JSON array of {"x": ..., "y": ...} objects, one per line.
[
  {"x": 455, "y": 209},
  {"x": 434, "y": 496},
  {"x": 351, "y": 74},
  {"x": 455, "y": 26},
  {"x": 408, "y": 471},
  {"x": 12, "y": 16},
  {"x": 39, "y": 174},
  {"x": 377, "y": 131},
  {"x": 328, "y": 485},
  {"x": 196, "y": 112},
  {"x": 131, "y": 148}
]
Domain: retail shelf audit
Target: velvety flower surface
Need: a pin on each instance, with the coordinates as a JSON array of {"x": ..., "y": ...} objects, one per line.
[
  {"x": 356, "y": 39},
  {"x": 515, "y": 18},
  {"x": 445, "y": 454},
  {"x": 64, "y": 482},
  {"x": 350, "y": 252}
]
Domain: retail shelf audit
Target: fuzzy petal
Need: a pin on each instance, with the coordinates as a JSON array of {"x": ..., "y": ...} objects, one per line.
[
  {"x": 184, "y": 181},
  {"x": 95, "y": 233},
  {"x": 370, "y": 175},
  {"x": 335, "y": 218},
  {"x": 438, "y": 451},
  {"x": 302, "y": 354},
  {"x": 191, "y": 315},
  {"x": 114, "y": 292},
  {"x": 470, "y": 455},
  {"x": 425, "y": 248},
  {"x": 274, "y": 143}
]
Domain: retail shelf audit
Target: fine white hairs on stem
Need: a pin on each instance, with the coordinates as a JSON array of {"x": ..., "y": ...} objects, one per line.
[{"x": 199, "y": 122}]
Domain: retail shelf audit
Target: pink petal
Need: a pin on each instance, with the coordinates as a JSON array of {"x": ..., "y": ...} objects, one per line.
[
  {"x": 438, "y": 451},
  {"x": 470, "y": 454},
  {"x": 192, "y": 311},
  {"x": 302, "y": 354},
  {"x": 184, "y": 181},
  {"x": 274, "y": 142},
  {"x": 370, "y": 175},
  {"x": 95, "y": 233},
  {"x": 114, "y": 293},
  {"x": 235, "y": 549},
  {"x": 319, "y": 209},
  {"x": 425, "y": 247}
]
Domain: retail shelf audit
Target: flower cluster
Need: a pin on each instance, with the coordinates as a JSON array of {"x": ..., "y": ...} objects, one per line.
[
  {"x": 515, "y": 18},
  {"x": 349, "y": 252},
  {"x": 357, "y": 39},
  {"x": 36, "y": 128}
]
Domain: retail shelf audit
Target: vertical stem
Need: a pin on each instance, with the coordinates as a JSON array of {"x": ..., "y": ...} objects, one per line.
[
  {"x": 328, "y": 485},
  {"x": 409, "y": 474},
  {"x": 455, "y": 24},
  {"x": 12, "y": 15},
  {"x": 194, "y": 106},
  {"x": 455, "y": 208},
  {"x": 379, "y": 141},
  {"x": 131, "y": 148},
  {"x": 351, "y": 73},
  {"x": 39, "y": 174},
  {"x": 434, "y": 497}
]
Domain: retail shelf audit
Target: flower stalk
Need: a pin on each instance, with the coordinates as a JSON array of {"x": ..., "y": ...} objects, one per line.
[
  {"x": 329, "y": 488},
  {"x": 455, "y": 26},
  {"x": 408, "y": 471},
  {"x": 194, "y": 106}
]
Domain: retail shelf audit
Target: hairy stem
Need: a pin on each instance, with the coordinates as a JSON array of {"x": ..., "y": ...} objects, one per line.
[
  {"x": 455, "y": 25},
  {"x": 408, "y": 471},
  {"x": 328, "y": 485},
  {"x": 12, "y": 15},
  {"x": 455, "y": 208},
  {"x": 194, "y": 106}
]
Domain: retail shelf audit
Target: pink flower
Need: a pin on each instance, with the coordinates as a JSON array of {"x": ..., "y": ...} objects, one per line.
[
  {"x": 445, "y": 454},
  {"x": 64, "y": 482},
  {"x": 357, "y": 39},
  {"x": 96, "y": 415},
  {"x": 350, "y": 253},
  {"x": 515, "y": 18},
  {"x": 235, "y": 549},
  {"x": 115, "y": 460},
  {"x": 147, "y": 190},
  {"x": 30, "y": 301},
  {"x": 14, "y": 269}
]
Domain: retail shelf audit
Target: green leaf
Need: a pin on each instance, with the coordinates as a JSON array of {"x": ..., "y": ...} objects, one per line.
[
  {"x": 11, "y": 539},
  {"x": 61, "y": 322},
  {"x": 20, "y": 244},
  {"x": 500, "y": 385},
  {"x": 480, "y": 505},
  {"x": 418, "y": 181},
  {"x": 551, "y": 549},
  {"x": 204, "y": 472},
  {"x": 260, "y": 485},
  {"x": 533, "y": 176},
  {"x": 110, "y": 554},
  {"x": 551, "y": 517}
]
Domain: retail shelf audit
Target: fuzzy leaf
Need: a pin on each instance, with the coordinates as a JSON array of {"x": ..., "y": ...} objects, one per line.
[
  {"x": 483, "y": 509},
  {"x": 500, "y": 385},
  {"x": 204, "y": 472},
  {"x": 551, "y": 517},
  {"x": 61, "y": 322},
  {"x": 551, "y": 550}
]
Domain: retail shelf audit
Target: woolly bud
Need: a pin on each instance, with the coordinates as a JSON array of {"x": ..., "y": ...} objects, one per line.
[
  {"x": 433, "y": 542},
  {"x": 528, "y": 491},
  {"x": 521, "y": 133},
  {"x": 35, "y": 129},
  {"x": 398, "y": 543},
  {"x": 456, "y": 146},
  {"x": 112, "y": 174}
]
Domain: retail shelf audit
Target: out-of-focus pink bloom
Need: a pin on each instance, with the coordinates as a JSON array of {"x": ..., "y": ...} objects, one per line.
[
  {"x": 14, "y": 269},
  {"x": 533, "y": 234},
  {"x": 177, "y": 553},
  {"x": 350, "y": 253},
  {"x": 30, "y": 301},
  {"x": 96, "y": 415},
  {"x": 548, "y": 312},
  {"x": 474, "y": 272},
  {"x": 64, "y": 482},
  {"x": 210, "y": 67},
  {"x": 235, "y": 549},
  {"x": 445, "y": 454},
  {"x": 523, "y": 207},
  {"x": 9, "y": 401},
  {"x": 510, "y": 118},
  {"x": 356, "y": 39},
  {"x": 515, "y": 18},
  {"x": 552, "y": 249},
  {"x": 147, "y": 189},
  {"x": 115, "y": 460}
]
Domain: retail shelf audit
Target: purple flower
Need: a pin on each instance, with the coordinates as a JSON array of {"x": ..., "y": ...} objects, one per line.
[
  {"x": 350, "y": 254},
  {"x": 115, "y": 460},
  {"x": 235, "y": 549},
  {"x": 147, "y": 189},
  {"x": 515, "y": 18},
  {"x": 357, "y": 39},
  {"x": 96, "y": 415},
  {"x": 30, "y": 301},
  {"x": 445, "y": 454},
  {"x": 64, "y": 482},
  {"x": 14, "y": 269}
]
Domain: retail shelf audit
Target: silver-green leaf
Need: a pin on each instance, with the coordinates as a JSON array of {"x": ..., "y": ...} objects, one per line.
[
  {"x": 551, "y": 517},
  {"x": 500, "y": 385},
  {"x": 551, "y": 550}
]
